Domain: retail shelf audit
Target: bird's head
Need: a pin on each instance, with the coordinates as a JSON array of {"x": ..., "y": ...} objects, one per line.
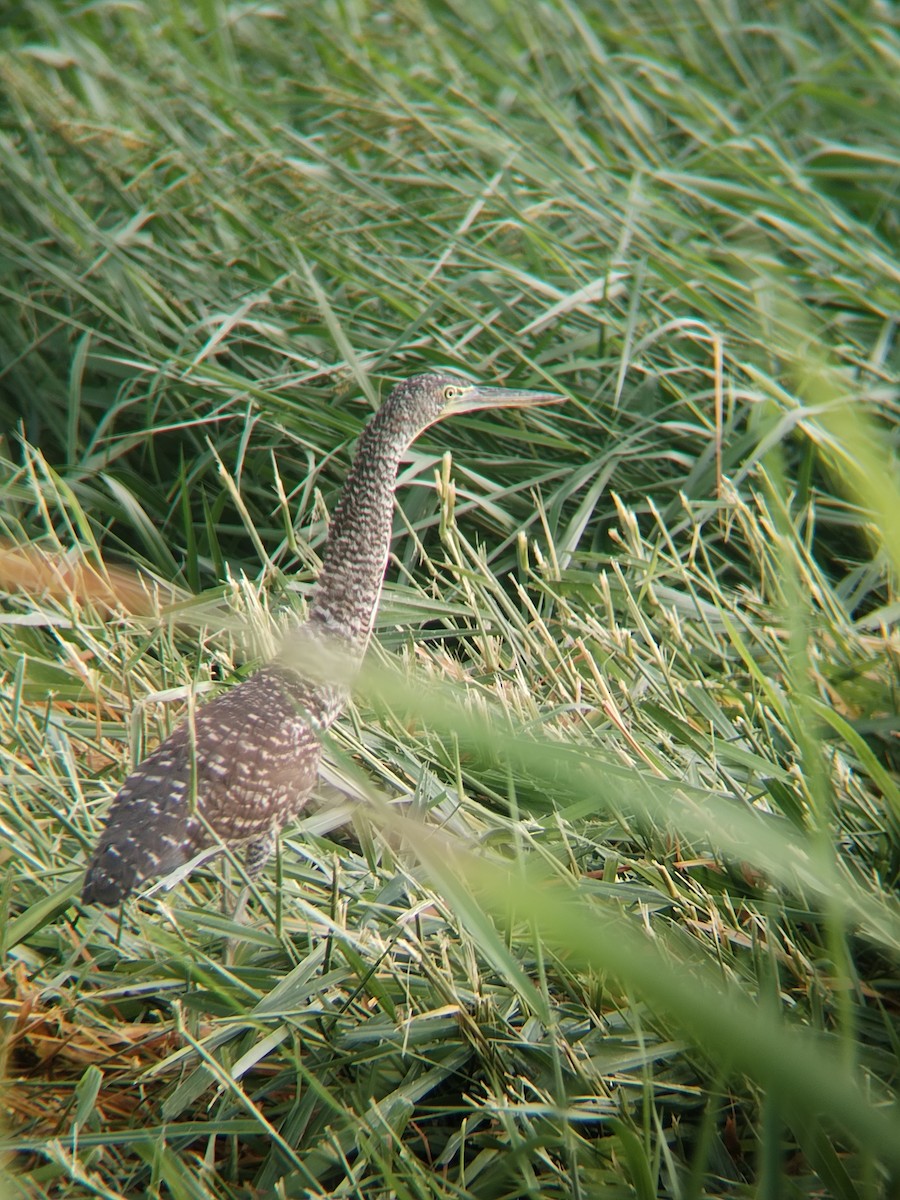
[{"x": 423, "y": 399}]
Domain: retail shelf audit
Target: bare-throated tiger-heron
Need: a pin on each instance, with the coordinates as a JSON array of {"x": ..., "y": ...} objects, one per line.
[{"x": 248, "y": 761}]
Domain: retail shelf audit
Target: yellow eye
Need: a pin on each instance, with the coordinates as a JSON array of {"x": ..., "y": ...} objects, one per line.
[{"x": 450, "y": 392}]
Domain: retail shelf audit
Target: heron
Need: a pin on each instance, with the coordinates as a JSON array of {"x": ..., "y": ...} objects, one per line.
[{"x": 248, "y": 761}]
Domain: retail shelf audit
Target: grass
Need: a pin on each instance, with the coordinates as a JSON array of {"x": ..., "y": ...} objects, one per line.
[{"x": 600, "y": 900}]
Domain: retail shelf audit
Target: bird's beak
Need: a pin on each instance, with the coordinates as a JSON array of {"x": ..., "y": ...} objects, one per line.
[{"x": 475, "y": 397}]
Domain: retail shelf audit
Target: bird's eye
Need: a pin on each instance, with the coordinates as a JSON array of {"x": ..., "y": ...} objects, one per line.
[{"x": 450, "y": 392}]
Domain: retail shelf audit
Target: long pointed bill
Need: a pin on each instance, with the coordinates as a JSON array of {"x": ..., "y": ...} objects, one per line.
[{"x": 476, "y": 396}]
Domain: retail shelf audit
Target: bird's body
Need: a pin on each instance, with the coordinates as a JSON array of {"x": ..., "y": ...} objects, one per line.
[{"x": 248, "y": 760}]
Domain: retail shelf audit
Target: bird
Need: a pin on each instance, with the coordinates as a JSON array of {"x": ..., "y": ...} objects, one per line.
[{"x": 248, "y": 760}]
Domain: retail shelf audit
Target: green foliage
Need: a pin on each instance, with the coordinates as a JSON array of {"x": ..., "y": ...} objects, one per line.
[{"x": 633, "y": 930}]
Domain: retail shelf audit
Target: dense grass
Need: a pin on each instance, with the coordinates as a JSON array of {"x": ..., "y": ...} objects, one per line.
[{"x": 601, "y": 899}]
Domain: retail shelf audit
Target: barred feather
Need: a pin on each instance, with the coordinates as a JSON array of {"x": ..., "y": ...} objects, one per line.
[{"x": 254, "y": 758}]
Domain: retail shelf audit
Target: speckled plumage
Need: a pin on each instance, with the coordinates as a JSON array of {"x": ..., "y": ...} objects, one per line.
[{"x": 250, "y": 758}]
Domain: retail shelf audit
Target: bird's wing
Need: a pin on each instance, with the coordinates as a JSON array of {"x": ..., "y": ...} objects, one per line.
[
  {"x": 150, "y": 828},
  {"x": 243, "y": 767}
]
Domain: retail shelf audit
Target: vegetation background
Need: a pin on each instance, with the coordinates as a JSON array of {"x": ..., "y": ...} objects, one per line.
[{"x": 616, "y": 914}]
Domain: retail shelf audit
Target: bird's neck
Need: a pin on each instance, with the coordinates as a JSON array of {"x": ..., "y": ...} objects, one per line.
[{"x": 346, "y": 596}]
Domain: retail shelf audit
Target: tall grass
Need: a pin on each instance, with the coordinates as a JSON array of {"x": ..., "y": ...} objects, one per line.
[{"x": 600, "y": 898}]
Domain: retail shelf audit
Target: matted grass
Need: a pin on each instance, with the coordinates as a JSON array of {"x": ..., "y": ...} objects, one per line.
[{"x": 600, "y": 899}]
